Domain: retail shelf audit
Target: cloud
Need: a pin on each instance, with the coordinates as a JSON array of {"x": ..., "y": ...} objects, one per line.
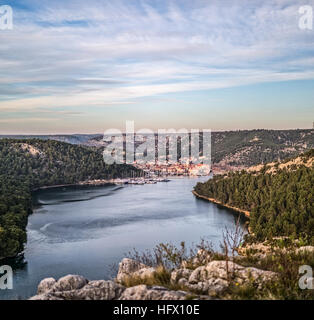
[{"x": 79, "y": 54}]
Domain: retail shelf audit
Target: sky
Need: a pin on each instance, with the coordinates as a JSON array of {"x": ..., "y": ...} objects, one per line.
[{"x": 88, "y": 66}]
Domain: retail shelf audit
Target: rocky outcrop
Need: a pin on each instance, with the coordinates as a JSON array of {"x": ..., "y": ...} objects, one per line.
[
  {"x": 180, "y": 276},
  {"x": 46, "y": 285},
  {"x": 306, "y": 249},
  {"x": 130, "y": 267},
  {"x": 143, "y": 292},
  {"x": 204, "y": 282},
  {"x": 263, "y": 249},
  {"x": 215, "y": 277},
  {"x": 73, "y": 287},
  {"x": 69, "y": 283}
]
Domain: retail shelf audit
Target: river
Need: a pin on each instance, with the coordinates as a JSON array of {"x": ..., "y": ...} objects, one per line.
[{"x": 87, "y": 230}]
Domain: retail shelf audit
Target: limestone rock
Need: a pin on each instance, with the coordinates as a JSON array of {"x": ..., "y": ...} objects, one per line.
[
  {"x": 45, "y": 285},
  {"x": 143, "y": 292},
  {"x": 94, "y": 290},
  {"x": 180, "y": 274},
  {"x": 212, "y": 286},
  {"x": 129, "y": 267},
  {"x": 45, "y": 297},
  {"x": 210, "y": 280},
  {"x": 78, "y": 288},
  {"x": 70, "y": 282},
  {"x": 215, "y": 277},
  {"x": 305, "y": 249},
  {"x": 218, "y": 269}
]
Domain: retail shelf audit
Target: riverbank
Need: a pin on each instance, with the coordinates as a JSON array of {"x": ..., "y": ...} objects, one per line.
[
  {"x": 246, "y": 213},
  {"x": 104, "y": 182},
  {"x": 82, "y": 183}
]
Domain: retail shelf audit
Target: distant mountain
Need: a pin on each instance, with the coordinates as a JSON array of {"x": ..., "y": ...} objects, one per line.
[
  {"x": 230, "y": 149},
  {"x": 234, "y": 150},
  {"x": 72, "y": 138},
  {"x": 28, "y": 164}
]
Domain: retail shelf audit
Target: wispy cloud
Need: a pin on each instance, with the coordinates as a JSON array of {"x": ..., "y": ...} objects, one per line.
[{"x": 98, "y": 53}]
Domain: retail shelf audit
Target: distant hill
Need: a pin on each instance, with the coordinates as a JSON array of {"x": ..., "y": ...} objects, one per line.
[
  {"x": 71, "y": 138},
  {"x": 231, "y": 150},
  {"x": 31, "y": 163},
  {"x": 278, "y": 197},
  {"x": 252, "y": 147}
]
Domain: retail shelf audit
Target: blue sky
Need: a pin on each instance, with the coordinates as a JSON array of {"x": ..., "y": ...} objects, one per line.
[{"x": 87, "y": 66}]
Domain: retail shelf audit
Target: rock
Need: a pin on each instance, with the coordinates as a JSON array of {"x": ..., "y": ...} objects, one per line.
[
  {"x": 208, "y": 280},
  {"x": 143, "y": 292},
  {"x": 145, "y": 272},
  {"x": 214, "y": 269},
  {"x": 214, "y": 277},
  {"x": 180, "y": 274},
  {"x": 305, "y": 249},
  {"x": 44, "y": 297},
  {"x": 182, "y": 282},
  {"x": 45, "y": 285},
  {"x": 94, "y": 290},
  {"x": 78, "y": 288},
  {"x": 257, "y": 275},
  {"x": 129, "y": 267},
  {"x": 70, "y": 282},
  {"x": 218, "y": 269},
  {"x": 102, "y": 290},
  {"x": 211, "y": 287}
]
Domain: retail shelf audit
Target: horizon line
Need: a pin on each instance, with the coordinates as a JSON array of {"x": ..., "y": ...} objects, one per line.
[{"x": 135, "y": 131}]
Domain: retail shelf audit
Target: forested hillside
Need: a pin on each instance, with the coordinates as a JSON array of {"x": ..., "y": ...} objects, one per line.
[
  {"x": 245, "y": 148},
  {"x": 279, "y": 197},
  {"x": 242, "y": 148},
  {"x": 251, "y": 147},
  {"x": 28, "y": 164}
]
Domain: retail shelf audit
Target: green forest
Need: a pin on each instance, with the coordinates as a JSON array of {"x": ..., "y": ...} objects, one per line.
[
  {"x": 26, "y": 165},
  {"x": 280, "y": 203}
]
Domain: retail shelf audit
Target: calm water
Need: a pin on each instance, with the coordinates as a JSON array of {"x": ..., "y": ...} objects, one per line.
[{"x": 85, "y": 231}]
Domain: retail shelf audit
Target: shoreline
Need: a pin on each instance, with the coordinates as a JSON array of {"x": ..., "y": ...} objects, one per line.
[
  {"x": 246, "y": 213},
  {"x": 82, "y": 183}
]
